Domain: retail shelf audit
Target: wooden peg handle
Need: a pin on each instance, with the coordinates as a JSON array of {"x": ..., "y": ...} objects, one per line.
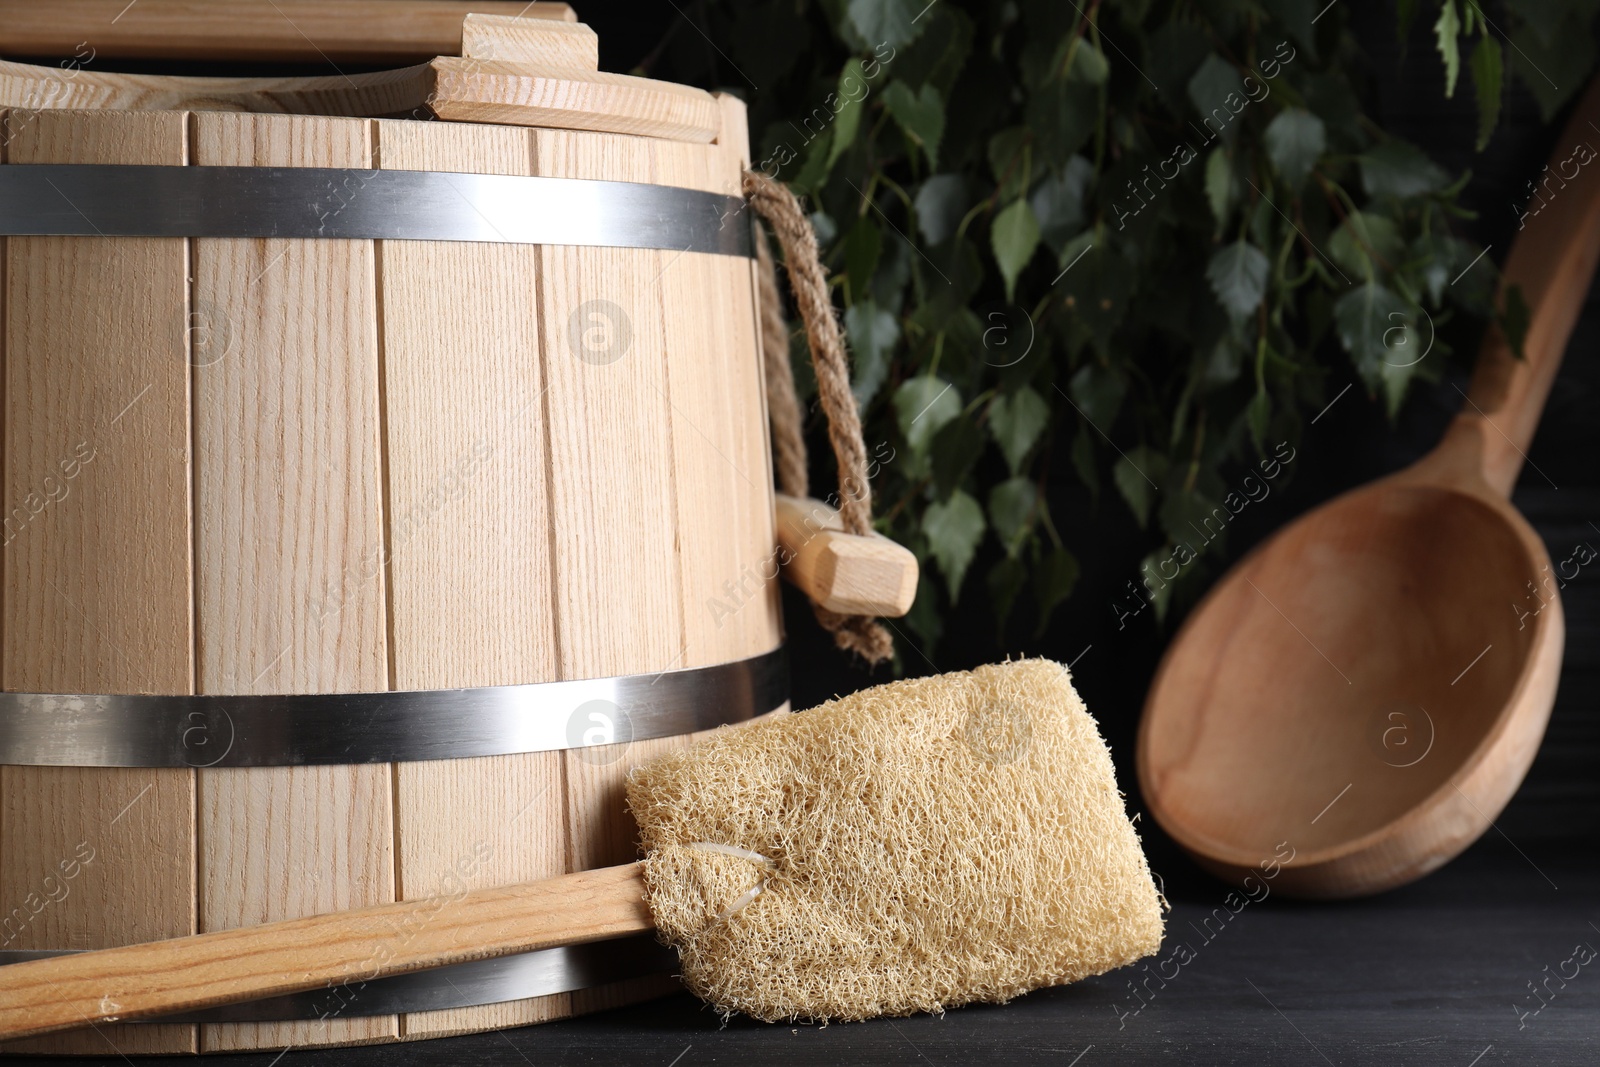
[
  {"x": 229, "y": 966},
  {"x": 847, "y": 573},
  {"x": 305, "y": 31}
]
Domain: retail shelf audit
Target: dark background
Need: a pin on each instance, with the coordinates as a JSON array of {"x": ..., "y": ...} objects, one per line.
[{"x": 1434, "y": 973}]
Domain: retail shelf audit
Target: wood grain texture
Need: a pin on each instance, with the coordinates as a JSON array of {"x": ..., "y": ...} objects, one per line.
[
  {"x": 543, "y": 43},
  {"x": 386, "y": 92},
  {"x": 97, "y": 561},
  {"x": 309, "y": 31},
  {"x": 848, "y": 573},
  {"x": 289, "y": 545},
  {"x": 472, "y": 573},
  {"x": 729, "y": 163},
  {"x": 229, "y": 966},
  {"x": 476, "y": 90},
  {"x": 618, "y": 589}
]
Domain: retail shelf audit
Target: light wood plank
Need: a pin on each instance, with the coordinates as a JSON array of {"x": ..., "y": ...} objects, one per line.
[
  {"x": 618, "y": 589},
  {"x": 541, "y": 42},
  {"x": 385, "y": 92},
  {"x": 719, "y": 430},
  {"x": 310, "y": 31},
  {"x": 746, "y": 375},
  {"x": 97, "y": 562},
  {"x": 290, "y": 551},
  {"x": 472, "y": 569},
  {"x": 478, "y": 90}
]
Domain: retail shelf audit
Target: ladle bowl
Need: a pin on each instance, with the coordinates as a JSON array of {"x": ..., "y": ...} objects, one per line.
[{"x": 1356, "y": 701}]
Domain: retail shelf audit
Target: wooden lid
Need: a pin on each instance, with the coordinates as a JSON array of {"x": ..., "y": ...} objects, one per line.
[{"x": 504, "y": 63}]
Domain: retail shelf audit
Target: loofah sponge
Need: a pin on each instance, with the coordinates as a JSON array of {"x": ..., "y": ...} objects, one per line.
[{"x": 912, "y": 847}]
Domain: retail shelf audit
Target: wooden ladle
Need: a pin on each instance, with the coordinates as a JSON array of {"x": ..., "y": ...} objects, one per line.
[{"x": 1359, "y": 697}]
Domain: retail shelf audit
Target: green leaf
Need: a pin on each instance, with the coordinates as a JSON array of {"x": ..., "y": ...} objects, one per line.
[
  {"x": 940, "y": 54},
  {"x": 1083, "y": 460},
  {"x": 1548, "y": 19},
  {"x": 1057, "y": 202},
  {"x": 1487, "y": 75},
  {"x": 1220, "y": 184},
  {"x": 1159, "y": 589},
  {"x": 922, "y": 406},
  {"x": 940, "y": 203},
  {"x": 1015, "y": 422},
  {"x": 925, "y": 618},
  {"x": 919, "y": 114},
  {"x": 1089, "y": 64},
  {"x": 1137, "y": 475},
  {"x": 862, "y": 247},
  {"x": 1395, "y": 168},
  {"x": 1224, "y": 362},
  {"x": 1257, "y": 415},
  {"x": 853, "y": 87},
  {"x": 1006, "y": 579},
  {"x": 1097, "y": 393},
  {"x": 1015, "y": 237},
  {"x": 1554, "y": 71},
  {"x": 873, "y": 333},
  {"x": 1217, "y": 92},
  {"x": 1194, "y": 519},
  {"x": 1360, "y": 232},
  {"x": 1011, "y": 509},
  {"x": 953, "y": 529},
  {"x": 1238, "y": 275},
  {"x": 955, "y": 452},
  {"x": 814, "y": 171},
  {"x": 891, "y": 22},
  {"x": 1447, "y": 33},
  {"x": 1295, "y": 140},
  {"x": 1096, "y": 284},
  {"x": 1299, "y": 18},
  {"x": 1057, "y": 574},
  {"x": 1378, "y": 329}
]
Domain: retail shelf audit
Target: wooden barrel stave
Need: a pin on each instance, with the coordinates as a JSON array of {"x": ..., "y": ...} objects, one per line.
[
  {"x": 471, "y": 560},
  {"x": 288, "y": 484}
]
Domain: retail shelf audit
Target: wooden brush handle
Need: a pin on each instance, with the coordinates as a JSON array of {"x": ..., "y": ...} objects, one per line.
[
  {"x": 1552, "y": 263},
  {"x": 307, "y": 31},
  {"x": 203, "y": 971},
  {"x": 847, "y": 573}
]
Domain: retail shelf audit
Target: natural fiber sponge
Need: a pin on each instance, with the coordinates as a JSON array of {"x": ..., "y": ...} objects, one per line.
[{"x": 917, "y": 846}]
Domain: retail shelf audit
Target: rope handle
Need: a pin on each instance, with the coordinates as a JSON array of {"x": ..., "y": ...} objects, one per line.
[{"x": 861, "y": 634}]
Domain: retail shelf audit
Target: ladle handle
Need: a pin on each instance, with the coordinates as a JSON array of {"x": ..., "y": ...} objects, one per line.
[{"x": 1552, "y": 262}]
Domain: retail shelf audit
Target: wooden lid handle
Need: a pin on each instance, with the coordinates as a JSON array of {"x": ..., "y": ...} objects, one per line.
[
  {"x": 322, "y": 951},
  {"x": 307, "y": 31},
  {"x": 1552, "y": 263}
]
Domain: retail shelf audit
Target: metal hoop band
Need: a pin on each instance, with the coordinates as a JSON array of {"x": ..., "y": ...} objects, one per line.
[
  {"x": 464, "y": 985},
  {"x": 107, "y": 200},
  {"x": 76, "y": 730}
]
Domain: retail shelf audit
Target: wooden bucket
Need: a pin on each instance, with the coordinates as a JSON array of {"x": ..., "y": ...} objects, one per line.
[{"x": 246, "y": 465}]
